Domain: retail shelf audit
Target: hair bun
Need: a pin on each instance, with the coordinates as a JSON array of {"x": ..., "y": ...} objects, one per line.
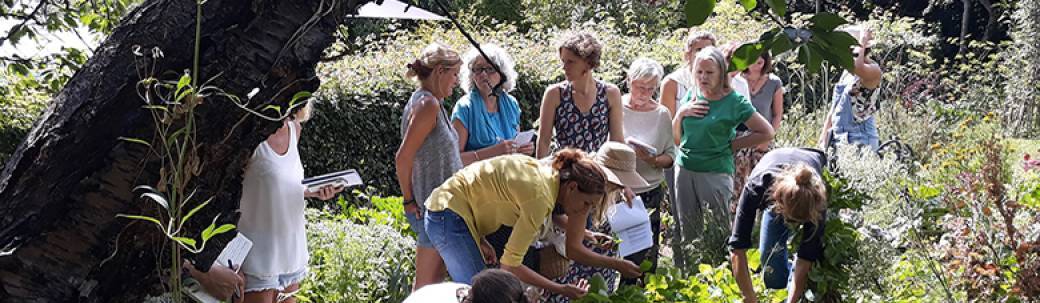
[{"x": 804, "y": 177}]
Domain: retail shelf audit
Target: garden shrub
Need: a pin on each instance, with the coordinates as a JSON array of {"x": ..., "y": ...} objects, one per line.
[{"x": 353, "y": 262}]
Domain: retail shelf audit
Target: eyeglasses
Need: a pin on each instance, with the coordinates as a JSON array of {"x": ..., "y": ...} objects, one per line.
[{"x": 483, "y": 70}]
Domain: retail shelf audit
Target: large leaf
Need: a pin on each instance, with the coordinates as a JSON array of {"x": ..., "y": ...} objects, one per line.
[
  {"x": 835, "y": 48},
  {"x": 781, "y": 44},
  {"x": 826, "y": 21},
  {"x": 746, "y": 55},
  {"x": 778, "y": 6},
  {"x": 809, "y": 57},
  {"x": 698, "y": 11},
  {"x": 749, "y": 4}
]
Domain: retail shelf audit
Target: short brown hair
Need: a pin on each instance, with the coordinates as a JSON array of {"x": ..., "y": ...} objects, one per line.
[
  {"x": 799, "y": 195},
  {"x": 583, "y": 44}
]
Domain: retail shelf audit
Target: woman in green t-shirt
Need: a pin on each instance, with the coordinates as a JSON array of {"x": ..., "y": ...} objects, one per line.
[{"x": 706, "y": 141}]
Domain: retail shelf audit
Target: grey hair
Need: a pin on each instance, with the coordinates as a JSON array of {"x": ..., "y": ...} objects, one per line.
[
  {"x": 645, "y": 68},
  {"x": 715, "y": 55},
  {"x": 499, "y": 57}
]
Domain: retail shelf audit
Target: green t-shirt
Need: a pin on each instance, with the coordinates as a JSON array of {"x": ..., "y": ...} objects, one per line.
[{"x": 705, "y": 142}]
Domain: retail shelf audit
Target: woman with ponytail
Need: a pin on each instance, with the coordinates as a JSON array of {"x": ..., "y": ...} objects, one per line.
[
  {"x": 520, "y": 192},
  {"x": 788, "y": 187},
  {"x": 429, "y": 153}
]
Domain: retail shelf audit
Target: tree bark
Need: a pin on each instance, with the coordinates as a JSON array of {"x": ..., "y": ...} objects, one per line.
[{"x": 60, "y": 239}]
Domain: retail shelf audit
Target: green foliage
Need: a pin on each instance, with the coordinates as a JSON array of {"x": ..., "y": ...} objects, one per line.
[
  {"x": 356, "y": 263},
  {"x": 376, "y": 210},
  {"x": 22, "y": 99}
]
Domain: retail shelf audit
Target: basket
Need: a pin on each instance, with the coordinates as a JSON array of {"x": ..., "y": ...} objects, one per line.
[{"x": 551, "y": 264}]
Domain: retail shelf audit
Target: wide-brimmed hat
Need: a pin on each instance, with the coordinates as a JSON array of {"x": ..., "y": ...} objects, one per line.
[{"x": 619, "y": 161}]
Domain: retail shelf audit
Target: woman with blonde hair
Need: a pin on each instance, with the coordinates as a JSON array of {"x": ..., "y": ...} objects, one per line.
[
  {"x": 787, "y": 185},
  {"x": 675, "y": 85},
  {"x": 429, "y": 152},
  {"x": 704, "y": 178},
  {"x": 272, "y": 208}
]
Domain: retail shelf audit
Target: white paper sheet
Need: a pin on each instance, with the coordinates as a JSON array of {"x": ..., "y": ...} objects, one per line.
[{"x": 632, "y": 224}]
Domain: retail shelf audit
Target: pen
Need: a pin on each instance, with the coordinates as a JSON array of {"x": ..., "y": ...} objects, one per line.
[{"x": 235, "y": 295}]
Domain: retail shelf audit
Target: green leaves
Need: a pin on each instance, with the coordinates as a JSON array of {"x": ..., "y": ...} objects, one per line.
[
  {"x": 698, "y": 11},
  {"x": 778, "y": 6},
  {"x": 645, "y": 266},
  {"x": 746, "y": 55},
  {"x": 825, "y": 22},
  {"x": 748, "y": 4}
]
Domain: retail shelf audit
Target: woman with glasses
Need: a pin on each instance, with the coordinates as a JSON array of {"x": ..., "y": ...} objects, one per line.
[{"x": 487, "y": 118}]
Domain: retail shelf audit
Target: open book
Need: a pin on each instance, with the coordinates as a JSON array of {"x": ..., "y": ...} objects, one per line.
[
  {"x": 344, "y": 178},
  {"x": 235, "y": 252}
]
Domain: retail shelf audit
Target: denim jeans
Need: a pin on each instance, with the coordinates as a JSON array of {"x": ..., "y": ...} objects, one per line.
[
  {"x": 773, "y": 234},
  {"x": 417, "y": 225},
  {"x": 451, "y": 236}
]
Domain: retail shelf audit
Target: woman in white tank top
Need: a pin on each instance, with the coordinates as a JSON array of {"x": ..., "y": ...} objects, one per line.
[{"x": 272, "y": 208}]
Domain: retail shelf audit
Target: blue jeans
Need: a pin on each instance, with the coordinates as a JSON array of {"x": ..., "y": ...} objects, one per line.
[
  {"x": 417, "y": 225},
  {"x": 773, "y": 245},
  {"x": 451, "y": 236}
]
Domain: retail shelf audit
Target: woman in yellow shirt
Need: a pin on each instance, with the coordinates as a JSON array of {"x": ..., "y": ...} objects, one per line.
[{"x": 521, "y": 192}]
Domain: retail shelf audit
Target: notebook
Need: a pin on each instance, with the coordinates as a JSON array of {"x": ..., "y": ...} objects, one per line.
[{"x": 235, "y": 252}]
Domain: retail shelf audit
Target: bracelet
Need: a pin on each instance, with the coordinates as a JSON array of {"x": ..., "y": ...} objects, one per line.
[
  {"x": 409, "y": 201},
  {"x": 476, "y": 156}
]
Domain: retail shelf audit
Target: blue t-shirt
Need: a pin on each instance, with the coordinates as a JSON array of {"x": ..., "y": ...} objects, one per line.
[{"x": 485, "y": 128}]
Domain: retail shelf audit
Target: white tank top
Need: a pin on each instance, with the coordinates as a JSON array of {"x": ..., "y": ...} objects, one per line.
[{"x": 272, "y": 211}]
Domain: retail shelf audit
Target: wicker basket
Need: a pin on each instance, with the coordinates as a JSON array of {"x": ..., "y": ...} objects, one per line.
[{"x": 551, "y": 264}]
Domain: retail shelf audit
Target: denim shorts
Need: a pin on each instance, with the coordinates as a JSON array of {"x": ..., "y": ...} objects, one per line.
[
  {"x": 275, "y": 282},
  {"x": 422, "y": 239}
]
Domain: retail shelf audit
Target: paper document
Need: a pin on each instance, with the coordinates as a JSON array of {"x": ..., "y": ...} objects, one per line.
[
  {"x": 524, "y": 137},
  {"x": 235, "y": 252},
  {"x": 635, "y": 143},
  {"x": 632, "y": 224}
]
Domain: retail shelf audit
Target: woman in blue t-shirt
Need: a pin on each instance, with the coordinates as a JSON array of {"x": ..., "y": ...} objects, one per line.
[
  {"x": 706, "y": 141},
  {"x": 487, "y": 120}
]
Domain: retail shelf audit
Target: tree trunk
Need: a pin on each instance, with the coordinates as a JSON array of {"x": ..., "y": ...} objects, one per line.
[
  {"x": 60, "y": 239},
  {"x": 965, "y": 19}
]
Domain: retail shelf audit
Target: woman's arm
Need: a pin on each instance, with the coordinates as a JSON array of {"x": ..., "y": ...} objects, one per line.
[
  {"x": 801, "y": 279},
  {"x": 825, "y": 133},
  {"x": 546, "y": 119},
  {"x": 575, "y": 229},
  {"x": 531, "y": 277},
  {"x": 617, "y": 124},
  {"x": 778, "y": 108},
  {"x": 669, "y": 91},
  {"x": 420, "y": 124},
  {"x": 743, "y": 275},
  {"x": 761, "y": 132},
  {"x": 468, "y": 157},
  {"x": 869, "y": 73}
]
